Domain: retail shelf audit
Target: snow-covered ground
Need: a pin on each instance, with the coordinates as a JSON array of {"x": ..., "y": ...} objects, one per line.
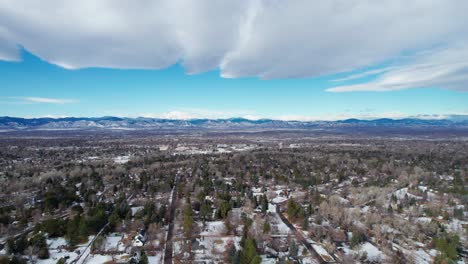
[
  {"x": 112, "y": 243},
  {"x": 266, "y": 260},
  {"x": 121, "y": 159},
  {"x": 401, "y": 193},
  {"x": 163, "y": 147},
  {"x": 419, "y": 256},
  {"x": 56, "y": 252},
  {"x": 277, "y": 225},
  {"x": 55, "y": 243},
  {"x": 456, "y": 226},
  {"x": 214, "y": 228},
  {"x": 85, "y": 248},
  {"x": 271, "y": 208},
  {"x": 136, "y": 209},
  {"x": 98, "y": 259},
  {"x": 279, "y": 199},
  {"x": 373, "y": 253},
  {"x": 322, "y": 252},
  {"x": 279, "y": 195},
  {"x": 214, "y": 242},
  {"x": 219, "y": 149},
  {"x": 423, "y": 220},
  {"x": 156, "y": 259},
  {"x": 309, "y": 260}
]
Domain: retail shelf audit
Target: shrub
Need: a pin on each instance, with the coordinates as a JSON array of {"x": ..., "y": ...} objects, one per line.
[{"x": 448, "y": 246}]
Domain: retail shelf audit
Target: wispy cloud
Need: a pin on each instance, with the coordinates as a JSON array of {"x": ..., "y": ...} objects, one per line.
[
  {"x": 42, "y": 100},
  {"x": 440, "y": 68},
  {"x": 363, "y": 74}
]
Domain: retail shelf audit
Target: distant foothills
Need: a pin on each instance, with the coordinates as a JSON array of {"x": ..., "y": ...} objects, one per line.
[{"x": 142, "y": 123}]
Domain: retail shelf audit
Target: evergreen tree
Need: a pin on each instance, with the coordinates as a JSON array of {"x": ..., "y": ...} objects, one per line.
[
  {"x": 83, "y": 230},
  {"x": 17, "y": 246},
  {"x": 293, "y": 249},
  {"x": 294, "y": 210},
  {"x": 205, "y": 210},
  {"x": 114, "y": 219},
  {"x": 264, "y": 203},
  {"x": 39, "y": 244},
  {"x": 249, "y": 254},
  {"x": 72, "y": 235},
  {"x": 266, "y": 227},
  {"x": 188, "y": 218},
  {"x": 223, "y": 209},
  {"x": 143, "y": 258},
  {"x": 233, "y": 255},
  {"x": 305, "y": 224}
]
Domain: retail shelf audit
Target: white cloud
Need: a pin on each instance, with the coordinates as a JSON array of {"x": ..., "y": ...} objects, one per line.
[
  {"x": 363, "y": 74},
  {"x": 261, "y": 38},
  {"x": 45, "y": 100},
  {"x": 185, "y": 114},
  {"x": 173, "y": 115},
  {"x": 8, "y": 49},
  {"x": 446, "y": 68}
]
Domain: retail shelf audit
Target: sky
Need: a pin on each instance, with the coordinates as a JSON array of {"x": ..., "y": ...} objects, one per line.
[{"x": 288, "y": 60}]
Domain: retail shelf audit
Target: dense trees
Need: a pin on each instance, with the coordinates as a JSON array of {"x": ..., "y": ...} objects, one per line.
[
  {"x": 152, "y": 214},
  {"x": 54, "y": 227},
  {"x": 294, "y": 210},
  {"x": 59, "y": 195},
  {"x": 37, "y": 245},
  {"x": 17, "y": 246},
  {"x": 80, "y": 226}
]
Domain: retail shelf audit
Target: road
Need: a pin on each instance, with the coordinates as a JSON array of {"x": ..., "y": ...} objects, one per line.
[
  {"x": 300, "y": 236},
  {"x": 170, "y": 231},
  {"x": 84, "y": 255}
]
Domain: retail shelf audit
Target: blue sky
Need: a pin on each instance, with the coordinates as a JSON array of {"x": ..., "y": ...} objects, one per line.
[
  {"x": 301, "y": 60},
  {"x": 171, "y": 92}
]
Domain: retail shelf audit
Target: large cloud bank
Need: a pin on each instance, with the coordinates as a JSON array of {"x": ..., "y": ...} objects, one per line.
[{"x": 267, "y": 39}]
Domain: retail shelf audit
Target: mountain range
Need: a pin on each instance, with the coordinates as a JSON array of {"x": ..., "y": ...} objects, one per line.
[{"x": 141, "y": 123}]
